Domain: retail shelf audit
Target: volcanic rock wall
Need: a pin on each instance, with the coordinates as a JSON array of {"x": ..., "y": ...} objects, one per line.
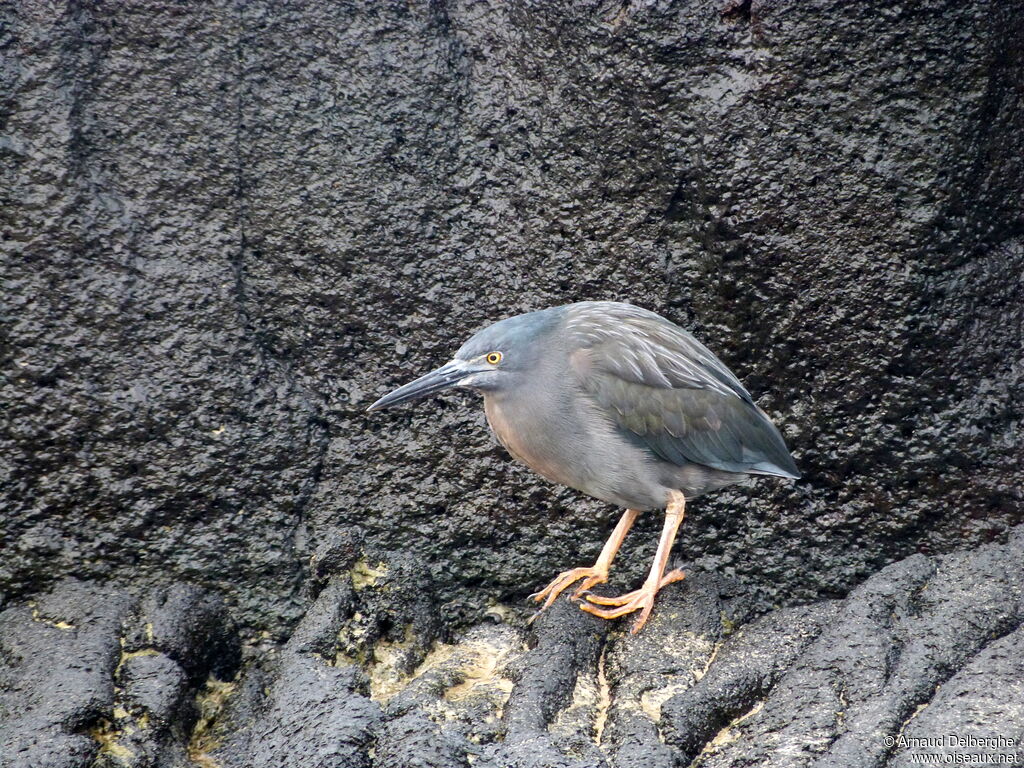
[{"x": 227, "y": 228}]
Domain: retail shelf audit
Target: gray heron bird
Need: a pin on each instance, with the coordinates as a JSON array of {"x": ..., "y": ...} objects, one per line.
[{"x": 622, "y": 405}]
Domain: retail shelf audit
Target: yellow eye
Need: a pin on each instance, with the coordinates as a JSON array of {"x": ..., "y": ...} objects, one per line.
[{"x": 494, "y": 358}]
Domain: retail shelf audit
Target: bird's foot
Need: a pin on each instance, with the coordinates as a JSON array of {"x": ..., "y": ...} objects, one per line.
[
  {"x": 638, "y": 600},
  {"x": 591, "y": 578}
]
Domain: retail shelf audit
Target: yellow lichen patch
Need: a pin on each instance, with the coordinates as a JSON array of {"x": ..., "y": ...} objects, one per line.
[
  {"x": 652, "y": 700},
  {"x": 438, "y": 656},
  {"x": 588, "y": 694},
  {"x": 125, "y": 655},
  {"x": 688, "y": 654},
  {"x": 353, "y": 641},
  {"x": 710, "y": 661},
  {"x": 206, "y": 735},
  {"x": 386, "y": 679},
  {"x": 36, "y": 616},
  {"x": 477, "y": 664},
  {"x": 365, "y": 575},
  {"x": 728, "y": 625},
  {"x": 106, "y": 735},
  {"x": 481, "y": 672},
  {"x": 588, "y": 710},
  {"x": 604, "y": 701},
  {"x": 728, "y": 734}
]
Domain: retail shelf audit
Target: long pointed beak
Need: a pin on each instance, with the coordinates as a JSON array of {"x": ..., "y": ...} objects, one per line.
[{"x": 447, "y": 376}]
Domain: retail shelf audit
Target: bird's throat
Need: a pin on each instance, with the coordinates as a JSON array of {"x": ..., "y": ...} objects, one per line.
[{"x": 524, "y": 432}]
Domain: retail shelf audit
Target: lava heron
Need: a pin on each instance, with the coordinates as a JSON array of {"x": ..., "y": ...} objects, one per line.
[{"x": 621, "y": 404}]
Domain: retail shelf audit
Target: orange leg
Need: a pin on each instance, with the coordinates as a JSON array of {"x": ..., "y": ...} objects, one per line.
[
  {"x": 591, "y": 576},
  {"x": 643, "y": 599}
]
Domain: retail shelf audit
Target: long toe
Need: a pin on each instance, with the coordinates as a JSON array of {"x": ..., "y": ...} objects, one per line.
[
  {"x": 565, "y": 580},
  {"x": 645, "y": 613},
  {"x": 608, "y": 613},
  {"x": 669, "y": 578},
  {"x": 642, "y": 601},
  {"x": 638, "y": 600},
  {"x": 587, "y": 583},
  {"x": 625, "y": 599}
]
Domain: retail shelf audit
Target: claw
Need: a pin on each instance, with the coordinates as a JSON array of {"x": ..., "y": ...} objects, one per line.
[
  {"x": 643, "y": 602},
  {"x": 550, "y": 593},
  {"x": 638, "y": 600},
  {"x": 669, "y": 578},
  {"x": 590, "y": 576},
  {"x": 643, "y": 599},
  {"x": 584, "y": 588}
]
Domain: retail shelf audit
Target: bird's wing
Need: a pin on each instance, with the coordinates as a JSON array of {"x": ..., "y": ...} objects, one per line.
[{"x": 662, "y": 386}]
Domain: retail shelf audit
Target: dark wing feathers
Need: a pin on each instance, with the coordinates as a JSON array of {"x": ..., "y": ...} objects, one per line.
[{"x": 662, "y": 385}]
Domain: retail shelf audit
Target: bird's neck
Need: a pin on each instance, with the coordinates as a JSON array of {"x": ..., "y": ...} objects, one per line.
[{"x": 531, "y": 427}]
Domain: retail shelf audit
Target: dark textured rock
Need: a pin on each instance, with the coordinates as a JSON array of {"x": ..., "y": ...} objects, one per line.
[
  {"x": 745, "y": 669},
  {"x": 925, "y": 649},
  {"x": 148, "y": 428},
  {"x": 985, "y": 698},
  {"x": 155, "y": 684},
  {"x": 875, "y": 663},
  {"x": 78, "y": 691},
  {"x": 413, "y": 739},
  {"x": 190, "y": 626},
  {"x": 296, "y": 707},
  {"x": 562, "y": 643},
  {"x": 57, "y": 662},
  {"x": 225, "y": 229},
  {"x": 312, "y": 716}
]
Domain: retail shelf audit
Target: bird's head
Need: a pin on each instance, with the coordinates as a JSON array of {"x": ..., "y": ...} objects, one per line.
[{"x": 492, "y": 360}]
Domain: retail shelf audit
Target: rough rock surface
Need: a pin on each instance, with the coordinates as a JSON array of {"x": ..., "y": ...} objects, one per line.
[
  {"x": 924, "y": 649},
  {"x": 225, "y": 229},
  {"x": 93, "y": 676}
]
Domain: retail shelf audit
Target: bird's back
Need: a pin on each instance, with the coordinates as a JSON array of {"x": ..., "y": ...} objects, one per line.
[{"x": 667, "y": 392}]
